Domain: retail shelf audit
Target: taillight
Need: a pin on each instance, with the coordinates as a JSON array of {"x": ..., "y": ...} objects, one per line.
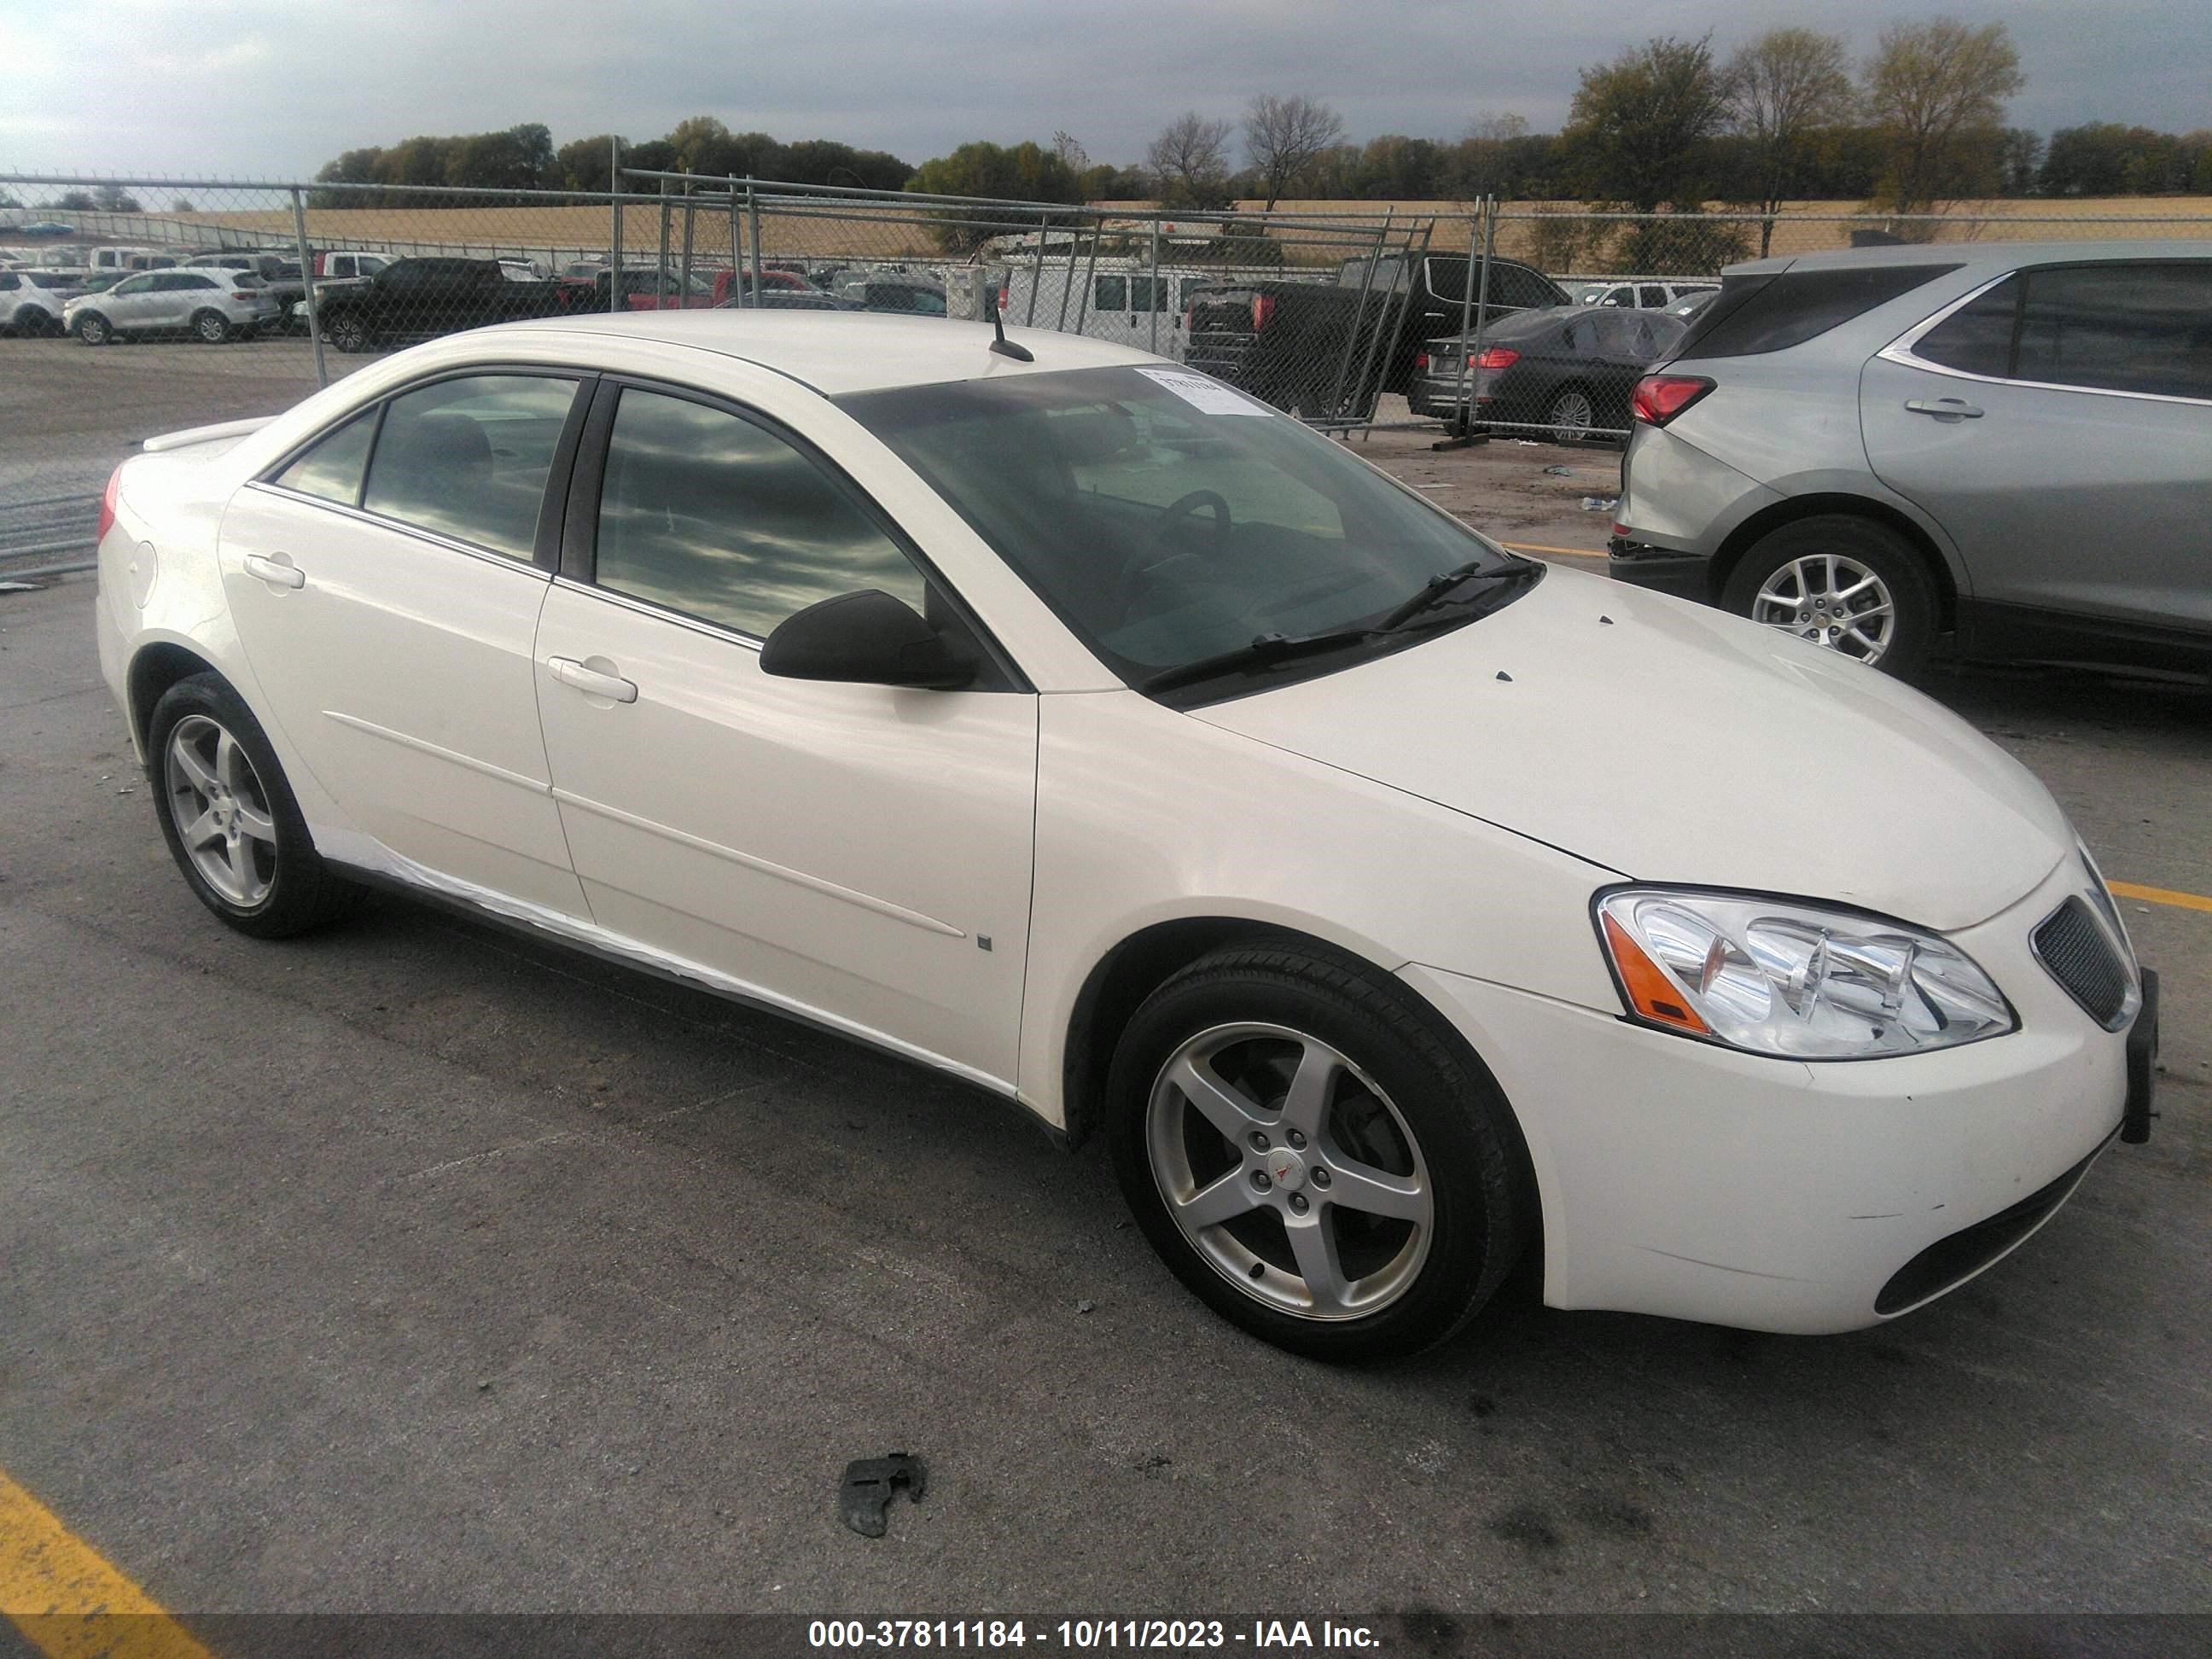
[
  {"x": 240, "y": 293},
  {"x": 107, "y": 505},
  {"x": 1660, "y": 398},
  {"x": 1263, "y": 307},
  {"x": 1420, "y": 363},
  {"x": 1498, "y": 357}
]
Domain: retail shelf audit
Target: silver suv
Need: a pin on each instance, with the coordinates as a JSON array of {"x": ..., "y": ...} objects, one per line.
[{"x": 2007, "y": 444}]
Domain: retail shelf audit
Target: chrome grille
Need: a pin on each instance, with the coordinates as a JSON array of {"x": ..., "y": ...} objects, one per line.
[{"x": 2080, "y": 956}]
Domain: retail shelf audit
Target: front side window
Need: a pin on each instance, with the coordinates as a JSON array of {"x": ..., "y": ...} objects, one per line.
[
  {"x": 333, "y": 469},
  {"x": 707, "y": 514},
  {"x": 1167, "y": 519},
  {"x": 468, "y": 457},
  {"x": 134, "y": 285},
  {"x": 1113, "y": 293}
]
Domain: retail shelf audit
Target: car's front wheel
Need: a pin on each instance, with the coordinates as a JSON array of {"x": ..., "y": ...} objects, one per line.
[
  {"x": 1844, "y": 582},
  {"x": 230, "y": 819},
  {"x": 1309, "y": 1157},
  {"x": 211, "y": 327},
  {"x": 92, "y": 328}
]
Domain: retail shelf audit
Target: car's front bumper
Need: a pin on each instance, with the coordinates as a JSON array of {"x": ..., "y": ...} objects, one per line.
[{"x": 1684, "y": 1179}]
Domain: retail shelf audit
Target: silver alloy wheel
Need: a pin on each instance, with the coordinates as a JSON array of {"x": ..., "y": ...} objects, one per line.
[
  {"x": 91, "y": 329},
  {"x": 1270, "y": 1208},
  {"x": 221, "y": 810},
  {"x": 348, "y": 334},
  {"x": 212, "y": 326},
  {"x": 1831, "y": 600},
  {"x": 1573, "y": 415}
]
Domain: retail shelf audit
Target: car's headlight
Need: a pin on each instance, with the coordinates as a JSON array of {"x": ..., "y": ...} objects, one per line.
[{"x": 1791, "y": 978}]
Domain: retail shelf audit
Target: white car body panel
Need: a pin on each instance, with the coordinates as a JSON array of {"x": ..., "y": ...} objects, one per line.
[{"x": 840, "y": 851}]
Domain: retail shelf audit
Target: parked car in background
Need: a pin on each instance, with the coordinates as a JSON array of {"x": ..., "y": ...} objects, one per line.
[
  {"x": 280, "y": 271},
  {"x": 785, "y": 299},
  {"x": 414, "y": 298},
  {"x": 1694, "y": 303},
  {"x": 130, "y": 259},
  {"x": 1646, "y": 292},
  {"x": 45, "y": 227},
  {"x": 650, "y": 288},
  {"x": 911, "y": 296},
  {"x": 1569, "y": 370},
  {"x": 1146, "y": 759},
  {"x": 211, "y": 305},
  {"x": 1304, "y": 346},
  {"x": 27, "y": 307},
  {"x": 343, "y": 263},
  {"x": 2006, "y": 444}
]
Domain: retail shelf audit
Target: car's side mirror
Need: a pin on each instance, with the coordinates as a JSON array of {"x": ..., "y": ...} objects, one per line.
[{"x": 868, "y": 638}]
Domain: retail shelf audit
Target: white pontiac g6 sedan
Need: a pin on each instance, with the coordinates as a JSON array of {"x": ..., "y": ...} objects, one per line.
[{"x": 1071, "y": 723}]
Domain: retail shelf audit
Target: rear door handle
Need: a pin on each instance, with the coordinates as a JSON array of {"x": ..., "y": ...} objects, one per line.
[
  {"x": 1944, "y": 409},
  {"x": 569, "y": 671},
  {"x": 279, "y": 572}
]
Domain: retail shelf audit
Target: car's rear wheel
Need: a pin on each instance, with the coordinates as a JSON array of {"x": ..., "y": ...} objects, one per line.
[
  {"x": 346, "y": 332},
  {"x": 1571, "y": 415},
  {"x": 230, "y": 819},
  {"x": 1310, "y": 1158},
  {"x": 1845, "y": 583},
  {"x": 211, "y": 327},
  {"x": 92, "y": 328},
  {"x": 30, "y": 322}
]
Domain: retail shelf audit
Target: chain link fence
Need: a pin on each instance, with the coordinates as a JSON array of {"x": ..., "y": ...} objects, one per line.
[{"x": 140, "y": 306}]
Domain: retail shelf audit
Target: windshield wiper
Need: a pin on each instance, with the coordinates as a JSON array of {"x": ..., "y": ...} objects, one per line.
[
  {"x": 1264, "y": 649},
  {"x": 1438, "y": 590}
]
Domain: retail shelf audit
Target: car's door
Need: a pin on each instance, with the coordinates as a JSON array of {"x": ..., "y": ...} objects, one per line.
[
  {"x": 858, "y": 852},
  {"x": 131, "y": 303},
  {"x": 2058, "y": 424},
  {"x": 178, "y": 294},
  {"x": 386, "y": 584}
]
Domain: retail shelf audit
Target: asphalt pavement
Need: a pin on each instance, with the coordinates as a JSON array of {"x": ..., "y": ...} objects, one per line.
[{"x": 414, "y": 1267}]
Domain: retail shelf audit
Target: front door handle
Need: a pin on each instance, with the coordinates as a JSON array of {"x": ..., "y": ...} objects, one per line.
[
  {"x": 1944, "y": 409},
  {"x": 279, "y": 572},
  {"x": 569, "y": 671}
]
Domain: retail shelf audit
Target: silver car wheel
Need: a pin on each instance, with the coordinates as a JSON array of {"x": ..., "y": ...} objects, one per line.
[
  {"x": 212, "y": 327},
  {"x": 1289, "y": 1172},
  {"x": 221, "y": 810},
  {"x": 1573, "y": 415},
  {"x": 1831, "y": 600}
]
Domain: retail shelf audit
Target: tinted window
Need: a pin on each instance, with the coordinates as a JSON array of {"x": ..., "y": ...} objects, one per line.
[
  {"x": 722, "y": 519},
  {"x": 1113, "y": 293},
  {"x": 468, "y": 457},
  {"x": 1977, "y": 338},
  {"x": 2120, "y": 327},
  {"x": 7, "y": 283},
  {"x": 1800, "y": 306},
  {"x": 334, "y": 468},
  {"x": 134, "y": 285},
  {"x": 1651, "y": 295}
]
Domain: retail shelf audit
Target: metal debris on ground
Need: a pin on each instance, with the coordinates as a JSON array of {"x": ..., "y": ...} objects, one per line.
[{"x": 869, "y": 1485}]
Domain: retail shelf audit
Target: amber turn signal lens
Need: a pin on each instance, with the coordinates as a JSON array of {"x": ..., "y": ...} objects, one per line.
[{"x": 1651, "y": 993}]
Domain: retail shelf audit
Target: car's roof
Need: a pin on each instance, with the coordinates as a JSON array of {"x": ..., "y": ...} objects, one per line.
[
  {"x": 1986, "y": 255},
  {"x": 838, "y": 352}
]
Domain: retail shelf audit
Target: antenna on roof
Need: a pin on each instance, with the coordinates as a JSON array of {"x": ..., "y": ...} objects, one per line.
[{"x": 1005, "y": 348}]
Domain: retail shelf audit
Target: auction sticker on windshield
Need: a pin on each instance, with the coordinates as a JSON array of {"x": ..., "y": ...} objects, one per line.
[{"x": 1207, "y": 396}]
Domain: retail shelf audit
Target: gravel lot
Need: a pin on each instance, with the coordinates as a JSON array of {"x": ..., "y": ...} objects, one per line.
[{"x": 414, "y": 1266}]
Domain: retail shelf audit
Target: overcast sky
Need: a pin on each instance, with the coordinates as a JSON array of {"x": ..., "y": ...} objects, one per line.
[{"x": 274, "y": 90}]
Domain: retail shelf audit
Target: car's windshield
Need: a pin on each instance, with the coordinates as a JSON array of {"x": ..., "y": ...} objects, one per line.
[{"x": 1167, "y": 519}]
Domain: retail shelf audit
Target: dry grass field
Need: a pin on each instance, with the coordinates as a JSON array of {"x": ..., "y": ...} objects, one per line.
[{"x": 1549, "y": 234}]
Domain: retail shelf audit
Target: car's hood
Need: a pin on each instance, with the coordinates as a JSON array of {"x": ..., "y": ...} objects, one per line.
[{"x": 1673, "y": 743}]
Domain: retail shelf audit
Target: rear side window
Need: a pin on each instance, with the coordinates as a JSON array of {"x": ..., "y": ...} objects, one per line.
[
  {"x": 468, "y": 457},
  {"x": 1977, "y": 338},
  {"x": 332, "y": 470},
  {"x": 1797, "y": 307},
  {"x": 2119, "y": 327}
]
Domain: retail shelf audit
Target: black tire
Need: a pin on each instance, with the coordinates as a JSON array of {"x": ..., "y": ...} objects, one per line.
[
  {"x": 303, "y": 892},
  {"x": 1446, "y": 1106},
  {"x": 346, "y": 332},
  {"x": 1895, "y": 562},
  {"x": 94, "y": 329},
  {"x": 30, "y": 323},
  {"x": 211, "y": 327}
]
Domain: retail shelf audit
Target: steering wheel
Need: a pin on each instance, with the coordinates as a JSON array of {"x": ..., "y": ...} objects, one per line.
[{"x": 1171, "y": 516}]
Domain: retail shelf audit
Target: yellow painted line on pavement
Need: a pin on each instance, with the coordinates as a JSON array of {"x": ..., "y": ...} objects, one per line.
[
  {"x": 2160, "y": 895},
  {"x": 1538, "y": 547},
  {"x": 67, "y": 1599}
]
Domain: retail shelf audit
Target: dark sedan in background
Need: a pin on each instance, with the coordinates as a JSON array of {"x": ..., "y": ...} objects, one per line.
[{"x": 1569, "y": 370}]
